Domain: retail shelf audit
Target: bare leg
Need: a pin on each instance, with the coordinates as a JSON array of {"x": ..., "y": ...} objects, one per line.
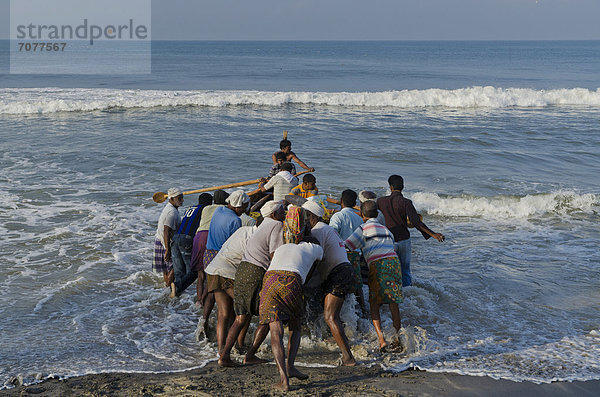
[
  {"x": 200, "y": 287},
  {"x": 333, "y": 306},
  {"x": 224, "y": 316},
  {"x": 377, "y": 323},
  {"x": 242, "y": 337},
  {"x": 259, "y": 336},
  {"x": 277, "y": 346},
  {"x": 207, "y": 307},
  {"x": 169, "y": 277},
  {"x": 395, "y": 311},
  {"x": 361, "y": 303},
  {"x": 293, "y": 345},
  {"x": 234, "y": 331},
  {"x": 244, "y": 331}
]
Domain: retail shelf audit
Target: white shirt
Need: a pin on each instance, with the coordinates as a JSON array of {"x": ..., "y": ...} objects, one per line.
[
  {"x": 229, "y": 257},
  {"x": 333, "y": 247},
  {"x": 297, "y": 258},
  {"x": 282, "y": 184},
  {"x": 168, "y": 217}
]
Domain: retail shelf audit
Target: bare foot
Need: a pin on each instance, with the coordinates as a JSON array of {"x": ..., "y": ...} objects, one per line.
[
  {"x": 254, "y": 360},
  {"x": 282, "y": 386},
  {"x": 226, "y": 362},
  {"x": 349, "y": 363},
  {"x": 294, "y": 373},
  {"x": 383, "y": 347}
]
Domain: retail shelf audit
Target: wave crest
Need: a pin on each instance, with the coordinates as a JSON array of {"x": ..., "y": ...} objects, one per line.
[
  {"x": 52, "y": 100},
  {"x": 561, "y": 203}
]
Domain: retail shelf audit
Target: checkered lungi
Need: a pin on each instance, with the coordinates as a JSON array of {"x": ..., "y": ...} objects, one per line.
[{"x": 158, "y": 262}]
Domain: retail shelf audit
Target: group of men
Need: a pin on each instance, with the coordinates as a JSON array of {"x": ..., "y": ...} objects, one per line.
[
  {"x": 262, "y": 267},
  {"x": 259, "y": 267}
]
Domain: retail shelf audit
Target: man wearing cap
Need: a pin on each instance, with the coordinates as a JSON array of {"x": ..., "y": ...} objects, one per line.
[
  {"x": 168, "y": 222},
  {"x": 248, "y": 280},
  {"x": 396, "y": 209},
  {"x": 338, "y": 274}
]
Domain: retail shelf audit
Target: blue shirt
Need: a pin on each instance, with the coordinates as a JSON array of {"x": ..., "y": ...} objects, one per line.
[
  {"x": 345, "y": 222},
  {"x": 222, "y": 225},
  {"x": 190, "y": 221}
]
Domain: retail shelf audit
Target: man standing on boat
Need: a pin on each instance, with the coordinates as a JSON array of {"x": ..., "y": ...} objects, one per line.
[
  {"x": 396, "y": 209},
  {"x": 168, "y": 223},
  {"x": 286, "y": 148}
]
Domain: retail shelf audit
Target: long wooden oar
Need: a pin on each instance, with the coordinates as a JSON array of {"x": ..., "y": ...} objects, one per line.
[{"x": 160, "y": 197}]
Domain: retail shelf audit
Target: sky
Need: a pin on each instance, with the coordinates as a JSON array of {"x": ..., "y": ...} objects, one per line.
[{"x": 365, "y": 19}]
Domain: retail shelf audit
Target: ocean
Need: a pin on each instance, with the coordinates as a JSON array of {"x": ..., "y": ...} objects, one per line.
[{"x": 498, "y": 143}]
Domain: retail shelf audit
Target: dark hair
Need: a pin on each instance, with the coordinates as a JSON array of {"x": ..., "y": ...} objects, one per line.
[
  {"x": 259, "y": 220},
  {"x": 349, "y": 198},
  {"x": 221, "y": 196},
  {"x": 284, "y": 143},
  {"x": 310, "y": 239},
  {"x": 368, "y": 195},
  {"x": 287, "y": 166},
  {"x": 309, "y": 178},
  {"x": 369, "y": 209},
  {"x": 280, "y": 156},
  {"x": 205, "y": 199},
  {"x": 396, "y": 181}
]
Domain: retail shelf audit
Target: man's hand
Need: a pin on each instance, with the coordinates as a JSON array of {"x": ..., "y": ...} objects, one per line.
[
  {"x": 439, "y": 237},
  {"x": 168, "y": 256}
]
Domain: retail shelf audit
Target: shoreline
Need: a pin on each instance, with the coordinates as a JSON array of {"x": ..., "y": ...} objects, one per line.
[{"x": 256, "y": 380}]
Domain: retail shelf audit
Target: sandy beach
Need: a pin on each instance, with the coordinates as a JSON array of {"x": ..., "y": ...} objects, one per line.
[{"x": 257, "y": 380}]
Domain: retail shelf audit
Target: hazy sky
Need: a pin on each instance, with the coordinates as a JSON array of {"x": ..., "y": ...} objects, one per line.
[{"x": 371, "y": 19}]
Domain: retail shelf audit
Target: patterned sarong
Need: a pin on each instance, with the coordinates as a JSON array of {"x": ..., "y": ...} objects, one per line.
[
  {"x": 209, "y": 255},
  {"x": 216, "y": 283},
  {"x": 246, "y": 289},
  {"x": 158, "y": 262},
  {"x": 281, "y": 297},
  {"x": 385, "y": 281},
  {"x": 198, "y": 248},
  {"x": 354, "y": 258},
  {"x": 293, "y": 225}
]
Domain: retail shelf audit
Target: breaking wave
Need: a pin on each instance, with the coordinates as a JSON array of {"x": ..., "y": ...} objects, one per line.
[
  {"x": 52, "y": 100},
  {"x": 563, "y": 203}
]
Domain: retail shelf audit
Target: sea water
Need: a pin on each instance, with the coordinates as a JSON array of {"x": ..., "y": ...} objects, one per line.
[{"x": 498, "y": 142}]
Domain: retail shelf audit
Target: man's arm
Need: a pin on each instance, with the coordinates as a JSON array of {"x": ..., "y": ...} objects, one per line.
[
  {"x": 167, "y": 234},
  {"x": 301, "y": 163}
]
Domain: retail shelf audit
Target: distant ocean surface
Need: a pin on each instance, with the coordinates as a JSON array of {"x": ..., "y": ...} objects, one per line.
[{"x": 498, "y": 142}]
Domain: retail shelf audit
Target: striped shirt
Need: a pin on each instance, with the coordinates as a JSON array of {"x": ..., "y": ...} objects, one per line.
[
  {"x": 375, "y": 240},
  {"x": 281, "y": 185}
]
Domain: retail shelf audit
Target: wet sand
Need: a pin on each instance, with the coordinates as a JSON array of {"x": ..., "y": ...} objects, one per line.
[{"x": 257, "y": 380}]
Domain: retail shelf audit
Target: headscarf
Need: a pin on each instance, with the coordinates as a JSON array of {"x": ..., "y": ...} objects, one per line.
[{"x": 294, "y": 225}]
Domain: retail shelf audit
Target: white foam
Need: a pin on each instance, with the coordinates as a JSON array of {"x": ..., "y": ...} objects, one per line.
[
  {"x": 52, "y": 100},
  {"x": 563, "y": 203}
]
